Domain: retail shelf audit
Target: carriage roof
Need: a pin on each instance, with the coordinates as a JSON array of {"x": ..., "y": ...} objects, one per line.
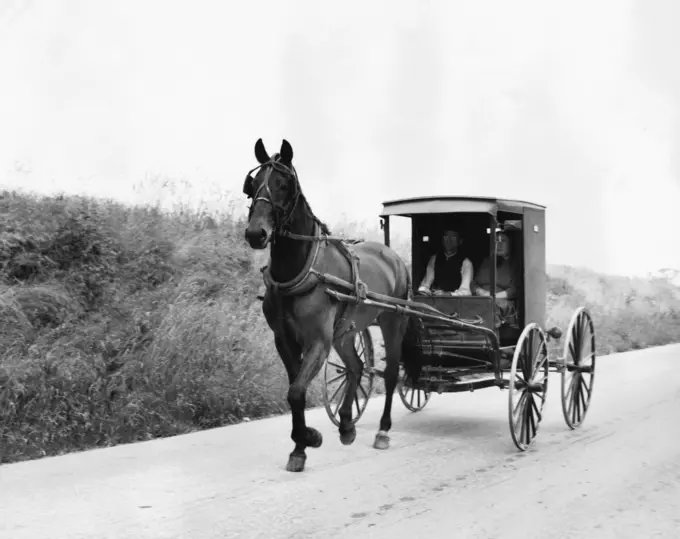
[{"x": 409, "y": 207}]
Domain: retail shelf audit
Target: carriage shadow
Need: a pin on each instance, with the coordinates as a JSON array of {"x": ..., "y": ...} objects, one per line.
[
  {"x": 445, "y": 425},
  {"x": 490, "y": 432}
]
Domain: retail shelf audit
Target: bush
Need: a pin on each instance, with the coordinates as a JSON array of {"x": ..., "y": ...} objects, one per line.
[{"x": 127, "y": 323}]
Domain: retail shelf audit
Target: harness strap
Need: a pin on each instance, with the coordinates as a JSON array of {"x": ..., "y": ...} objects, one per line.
[
  {"x": 303, "y": 282},
  {"x": 309, "y": 277},
  {"x": 359, "y": 290}
]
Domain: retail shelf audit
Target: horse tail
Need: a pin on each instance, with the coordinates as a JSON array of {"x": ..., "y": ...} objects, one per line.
[
  {"x": 411, "y": 351},
  {"x": 409, "y": 286},
  {"x": 411, "y": 348}
]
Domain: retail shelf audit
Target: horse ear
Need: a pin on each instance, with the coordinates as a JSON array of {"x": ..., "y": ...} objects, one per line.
[
  {"x": 286, "y": 152},
  {"x": 260, "y": 153}
]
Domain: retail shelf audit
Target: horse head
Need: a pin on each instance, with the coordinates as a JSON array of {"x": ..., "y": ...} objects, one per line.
[{"x": 274, "y": 191}]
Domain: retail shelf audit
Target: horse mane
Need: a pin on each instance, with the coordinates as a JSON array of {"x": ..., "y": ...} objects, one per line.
[
  {"x": 322, "y": 225},
  {"x": 308, "y": 208}
]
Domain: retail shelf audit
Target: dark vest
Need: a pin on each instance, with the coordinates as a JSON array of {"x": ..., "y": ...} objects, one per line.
[{"x": 447, "y": 272}]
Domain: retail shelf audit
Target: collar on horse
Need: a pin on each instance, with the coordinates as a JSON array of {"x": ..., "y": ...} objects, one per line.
[{"x": 306, "y": 279}]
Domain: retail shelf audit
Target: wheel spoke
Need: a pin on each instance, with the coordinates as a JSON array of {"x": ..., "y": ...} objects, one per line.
[
  {"x": 520, "y": 421},
  {"x": 574, "y": 401},
  {"x": 520, "y": 400},
  {"x": 540, "y": 370},
  {"x": 570, "y": 401},
  {"x": 342, "y": 367},
  {"x": 541, "y": 379},
  {"x": 572, "y": 352},
  {"x": 532, "y": 418},
  {"x": 582, "y": 401},
  {"x": 583, "y": 350},
  {"x": 572, "y": 383},
  {"x": 343, "y": 375},
  {"x": 526, "y": 413},
  {"x": 589, "y": 356},
  {"x": 338, "y": 389},
  {"x": 585, "y": 386},
  {"x": 536, "y": 409},
  {"x": 543, "y": 360},
  {"x": 337, "y": 373},
  {"x": 577, "y": 408},
  {"x": 526, "y": 354},
  {"x": 339, "y": 405},
  {"x": 535, "y": 365},
  {"x": 576, "y": 381}
]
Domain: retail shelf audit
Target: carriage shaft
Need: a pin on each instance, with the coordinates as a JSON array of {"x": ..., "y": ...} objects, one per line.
[
  {"x": 406, "y": 307},
  {"x": 336, "y": 281}
]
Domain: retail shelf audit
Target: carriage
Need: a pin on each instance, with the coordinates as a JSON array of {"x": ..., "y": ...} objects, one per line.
[{"x": 461, "y": 349}]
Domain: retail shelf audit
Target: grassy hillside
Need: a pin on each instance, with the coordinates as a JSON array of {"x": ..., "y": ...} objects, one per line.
[{"x": 123, "y": 323}]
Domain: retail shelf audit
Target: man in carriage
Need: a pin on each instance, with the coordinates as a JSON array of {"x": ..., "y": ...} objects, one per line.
[
  {"x": 448, "y": 269},
  {"x": 507, "y": 279}
]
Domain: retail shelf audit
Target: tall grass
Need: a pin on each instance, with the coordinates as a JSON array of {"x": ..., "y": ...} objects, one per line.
[{"x": 124, "y": 323}]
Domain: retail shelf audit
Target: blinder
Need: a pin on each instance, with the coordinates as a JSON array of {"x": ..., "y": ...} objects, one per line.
[{"x": 248, "y": 186}]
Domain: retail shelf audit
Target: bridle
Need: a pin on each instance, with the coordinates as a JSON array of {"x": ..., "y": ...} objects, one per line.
[{"x": 282, "y": 216}]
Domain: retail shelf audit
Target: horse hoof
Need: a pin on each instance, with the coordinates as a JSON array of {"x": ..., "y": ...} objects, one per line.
[
  {"x": 348, "y": 437},
  {"x": 314, "y": 438},
  {"x": 296, "y": 463},
  {"x": 382, "y": 441}
]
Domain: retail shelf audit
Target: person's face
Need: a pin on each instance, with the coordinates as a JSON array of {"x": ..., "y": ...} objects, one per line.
[
  {"x": 450, "y": 240},
  {"x": 503, "y": 245}
]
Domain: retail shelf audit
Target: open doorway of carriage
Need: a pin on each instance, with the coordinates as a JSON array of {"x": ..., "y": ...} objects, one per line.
[{"x": 477, "y": 243}]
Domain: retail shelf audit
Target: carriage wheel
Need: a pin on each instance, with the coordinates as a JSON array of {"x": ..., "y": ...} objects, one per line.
[
  {"x": 414, "y": 399},
  {"x": 579, "y": 368},
  {"x": 335, "y": 379},
  {"x": 528, "y": 386}
]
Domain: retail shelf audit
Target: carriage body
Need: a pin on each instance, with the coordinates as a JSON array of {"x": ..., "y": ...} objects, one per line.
[
  {"x": 476, "y": 219},
  {"x": 460, "y": 348}
]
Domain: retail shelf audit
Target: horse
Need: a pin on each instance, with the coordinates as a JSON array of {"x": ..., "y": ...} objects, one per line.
[{"x": 305, "y": 319}]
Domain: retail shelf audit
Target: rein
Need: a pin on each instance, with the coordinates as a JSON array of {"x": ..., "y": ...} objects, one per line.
[
  {"x": 281, "y": 224},
  {"x": 319, "y": 237}
]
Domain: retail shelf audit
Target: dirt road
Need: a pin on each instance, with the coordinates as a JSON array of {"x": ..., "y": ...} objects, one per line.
[{"x": 452, "y": 471}]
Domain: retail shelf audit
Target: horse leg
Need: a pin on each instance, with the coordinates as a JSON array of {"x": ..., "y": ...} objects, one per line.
[
  {"x": 313, "y": 356},
  {"x": 355, "y": 368},
  {"x": 290, "y": 352},
  {"x": 393, "y": 327}
]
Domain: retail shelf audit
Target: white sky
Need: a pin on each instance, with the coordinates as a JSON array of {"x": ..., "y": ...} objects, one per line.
[{"x": 574, "y": 105}]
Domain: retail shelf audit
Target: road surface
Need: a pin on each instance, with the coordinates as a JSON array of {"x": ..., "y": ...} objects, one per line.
[{"x": 452, "y": 471}]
